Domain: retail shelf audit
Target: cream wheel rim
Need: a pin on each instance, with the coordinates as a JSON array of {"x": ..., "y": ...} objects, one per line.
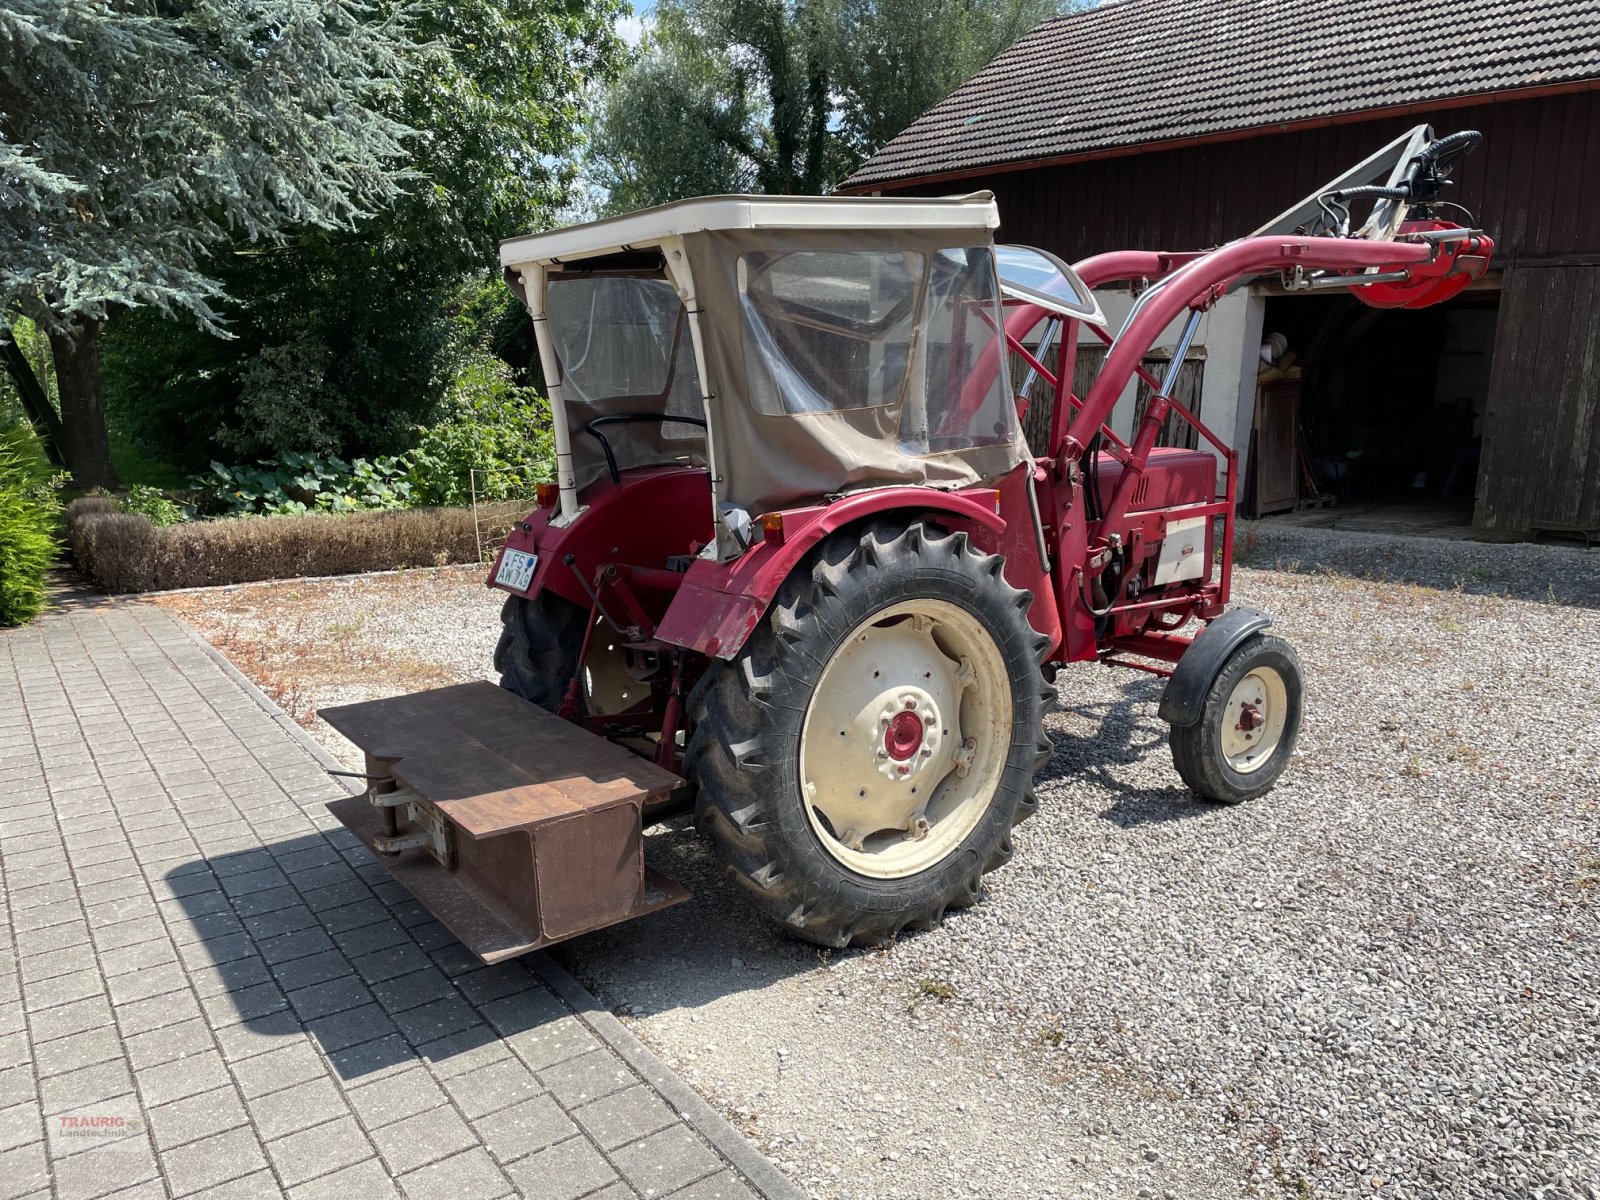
[
  {"x": 906, "y": 738},
  {"x": 1253, "y": 720}
]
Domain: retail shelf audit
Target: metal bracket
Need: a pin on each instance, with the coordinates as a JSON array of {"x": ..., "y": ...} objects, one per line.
[{"x": 429, "y": 829}]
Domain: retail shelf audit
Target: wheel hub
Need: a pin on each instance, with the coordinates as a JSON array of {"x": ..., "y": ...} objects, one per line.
[{"x": 902, "y": 735}]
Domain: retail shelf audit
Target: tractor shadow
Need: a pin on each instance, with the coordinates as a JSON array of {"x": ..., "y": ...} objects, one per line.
[{"x": 1096, "y": 742}]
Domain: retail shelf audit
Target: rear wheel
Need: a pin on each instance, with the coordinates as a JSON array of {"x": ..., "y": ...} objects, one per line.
[
  {"x": 1248, "y": 725},
  {"x": 860, "y": 764},
  {"x": 540, "y": 640}
]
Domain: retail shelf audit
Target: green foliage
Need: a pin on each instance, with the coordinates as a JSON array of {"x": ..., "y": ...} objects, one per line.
[
  {"x": 294, "y": 484},
  {"x": 28, "y": 514},
  {"x": 344, "y": 342},
  {"x": 152, "y": 505},
  {"x": 785, "y": 96},
  {"x": 493, "y": 426}
]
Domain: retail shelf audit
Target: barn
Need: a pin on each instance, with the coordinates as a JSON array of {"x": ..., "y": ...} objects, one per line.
[{"x": 1182, "y": 124}]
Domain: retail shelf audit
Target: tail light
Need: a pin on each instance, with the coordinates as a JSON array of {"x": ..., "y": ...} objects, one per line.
[{"x": 545, "y": 495}]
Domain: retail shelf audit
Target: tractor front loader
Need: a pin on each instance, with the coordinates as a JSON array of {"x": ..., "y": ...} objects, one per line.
[{"x": 800, "y": 573}]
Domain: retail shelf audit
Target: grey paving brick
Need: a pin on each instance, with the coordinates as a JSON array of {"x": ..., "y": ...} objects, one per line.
[
  {"x": 289, "y": 919},
  {"x": 524, "y": 1128},
  {"x": 249, "y": 1038},
  {"x": 23, "y": 1170},
  {"x": 147, "y": 982},
  {"x": 423, "y": 1138},
  {"x": 395, "y": 1097},
  {"x": 564, "y": 1171},
  {"x": 15, "y": 1049},
  {"x": 218, "y": 949},
  {"x": 85, "y": 1087},
  {"x": 724, "y": 1185},
  {"x": 255, "y": 1186},
  {"x": 212, "y": 1160},
  {"x": 197, "y": 1117},
  {"x": 530, "y": 1008},
  {"x": 316, "y": 968},
  {"x": 387, "y": 962},
  {"x": 243, "y": 1004},
  {"x": 463, "y": 1052},
  {"x": 318, "y": 1150},
  {"x": 467, "y": 1176},
  {"x": 364, "y": 1181},
  {"x": 103, "y": 1169},
  {"x": 68, "y": 933},
  {"x": 416, "y": 989},
  {"x": 51, "y": 964},
  {"x": 440, "y": 1018},
  {"x": 79, "y": 1050},
  {"x": 350, "y": 1028},
  {"x": 353, "y": 926},
  {"x": 293, "y": 1109},
  {"x": 182, "y": 1077},
  {"x": 156, "y": 1012},
  {"x": 625, "y": 1117},
  {"x": 483, "y": 985},
  {"x": 666, "y": 1161},
  {"x": 162, "y": 1045},
  {"x": 233, "y": 976},
  {"x": 498, "y": 1085},
  {"x": 279, "y": 1068},
  {"x": 68, "y": 1019},
  {"x": 588, "y": 1077},
  {"x": 288, "y": 946},
  {"x": 249, "y": 882},
  {"x": 110, "y": 938},
  {"x": 20, "y": 1124},
  {"x": 368, "y": 1061},
  {"x": 63, "y": 989},
  {"x": 334, "y": 996},
  {"x": 553, "y": 1042}
]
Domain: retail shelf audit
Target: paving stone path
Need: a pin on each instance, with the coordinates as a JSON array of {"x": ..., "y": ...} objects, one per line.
[{"x": 207, "y": 988}]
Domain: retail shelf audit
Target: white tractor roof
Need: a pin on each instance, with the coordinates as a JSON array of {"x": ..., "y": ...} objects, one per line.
[{"x": 650, "y": 226}]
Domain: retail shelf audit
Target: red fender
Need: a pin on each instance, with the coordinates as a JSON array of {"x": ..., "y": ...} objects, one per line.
[{"x": 720, "y": 604}]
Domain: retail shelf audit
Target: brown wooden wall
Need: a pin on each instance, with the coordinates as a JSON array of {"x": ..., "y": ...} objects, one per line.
[{"x": 1534, "y": 186}]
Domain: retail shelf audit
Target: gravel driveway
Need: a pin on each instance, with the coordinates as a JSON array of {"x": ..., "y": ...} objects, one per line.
[{"x": 1382, "y": 980}]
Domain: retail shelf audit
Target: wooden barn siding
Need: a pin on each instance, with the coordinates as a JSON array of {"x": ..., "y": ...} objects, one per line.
[{"x": 1534, "y": 186}]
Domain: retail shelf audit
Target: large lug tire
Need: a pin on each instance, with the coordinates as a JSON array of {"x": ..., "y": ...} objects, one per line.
[
  {"x": 860, "y": 764},
  {"x": 1248, "y": 724},
  {"x": 540, "y": 640}
]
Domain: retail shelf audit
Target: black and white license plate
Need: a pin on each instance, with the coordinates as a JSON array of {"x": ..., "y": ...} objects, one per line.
[{"x": 516, "y": 570}]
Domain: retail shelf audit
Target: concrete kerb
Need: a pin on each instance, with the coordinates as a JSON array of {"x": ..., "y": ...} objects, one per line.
[{"x": 686, "y": 1102}]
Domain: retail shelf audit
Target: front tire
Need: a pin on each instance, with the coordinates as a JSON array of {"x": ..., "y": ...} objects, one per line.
[
  {"x": 860, "y": 764},
  {"x": 1248, "y": 724}
]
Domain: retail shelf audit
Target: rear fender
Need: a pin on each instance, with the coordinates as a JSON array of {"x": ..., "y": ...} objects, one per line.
[
  {"x": 720, "y": 604},
  {"x": 653, "y": 514}
]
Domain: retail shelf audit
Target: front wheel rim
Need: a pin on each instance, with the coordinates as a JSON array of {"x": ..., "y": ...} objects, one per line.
[
  {"x": 1253, "y": 720},
  {"x": 905, "y": 739}
]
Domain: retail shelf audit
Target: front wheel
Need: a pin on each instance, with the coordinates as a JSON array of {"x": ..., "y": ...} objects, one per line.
[
  {"x": 1248, "y": 724},
  {"x": 859, "y": 765}
]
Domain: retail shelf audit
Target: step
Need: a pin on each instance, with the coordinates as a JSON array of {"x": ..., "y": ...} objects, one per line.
[{"x": 515, "y": 828}]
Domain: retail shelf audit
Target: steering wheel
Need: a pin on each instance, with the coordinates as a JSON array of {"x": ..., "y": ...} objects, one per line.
[{"x": 592, "y": 428}]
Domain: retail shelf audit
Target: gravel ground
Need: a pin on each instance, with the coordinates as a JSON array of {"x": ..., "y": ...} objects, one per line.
[{"x": 1381, "y": 980}]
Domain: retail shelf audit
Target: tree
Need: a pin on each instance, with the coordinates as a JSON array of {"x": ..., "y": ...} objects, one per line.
[
  {"x": 139, "y": 136},
  {"x": 907, "y": 55},
  {"x": 345, "y": 341},
  {"x": 785, "y": 96}
]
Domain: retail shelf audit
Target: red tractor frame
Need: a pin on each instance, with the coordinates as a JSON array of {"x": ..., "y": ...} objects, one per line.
[{"x": 798, "y": 551}]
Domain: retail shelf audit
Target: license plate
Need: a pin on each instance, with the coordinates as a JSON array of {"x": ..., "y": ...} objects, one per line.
[{"x": 516, "y": 570}]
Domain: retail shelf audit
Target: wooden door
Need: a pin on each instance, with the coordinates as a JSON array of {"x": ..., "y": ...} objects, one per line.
[
  {"x": 1540, "y": 468},
  {"x": 1277, "y": 465}
]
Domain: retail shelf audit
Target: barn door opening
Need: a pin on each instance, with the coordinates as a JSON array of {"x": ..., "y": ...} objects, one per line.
[{"x": 1372, "y": 418}]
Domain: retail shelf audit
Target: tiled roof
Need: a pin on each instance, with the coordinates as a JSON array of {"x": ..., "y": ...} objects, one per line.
[{"x": 1138, "y": 71}]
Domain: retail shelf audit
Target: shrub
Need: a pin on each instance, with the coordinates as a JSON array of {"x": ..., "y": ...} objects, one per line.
[
  {"x": 293, "y": 484},
  {"x": 28, "y": 513},
  {"x": 493, "y": 425},
  {"x": 148, "y": 502},
  {"x": 125, "y": 552}
]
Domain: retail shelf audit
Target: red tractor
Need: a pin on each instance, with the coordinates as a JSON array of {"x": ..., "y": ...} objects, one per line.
[{"x": 800, "y": 570}]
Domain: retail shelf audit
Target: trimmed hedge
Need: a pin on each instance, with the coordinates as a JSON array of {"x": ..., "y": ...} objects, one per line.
[{"x": 124, "y": 552}]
